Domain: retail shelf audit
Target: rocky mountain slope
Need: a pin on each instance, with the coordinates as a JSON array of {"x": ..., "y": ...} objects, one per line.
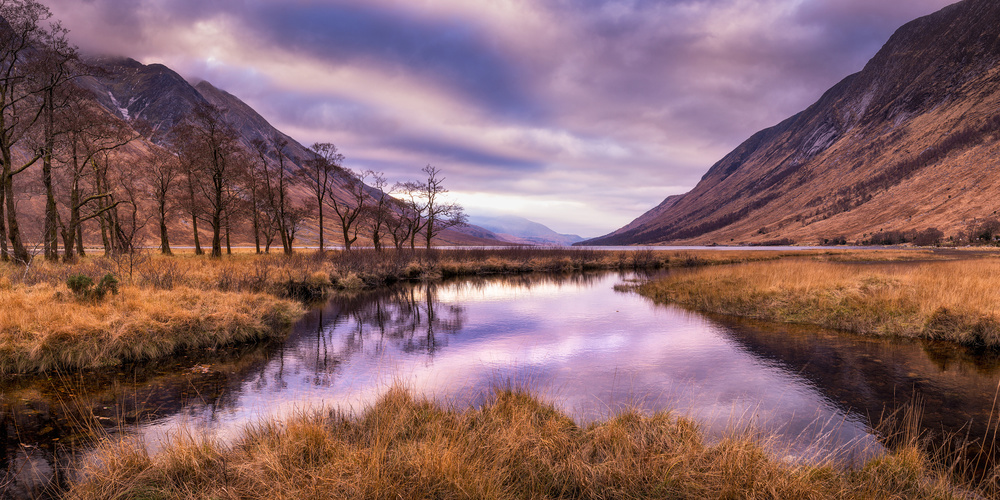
[
  {"x": 910, "y": 142},
  {"x": 162, "y": 98}
]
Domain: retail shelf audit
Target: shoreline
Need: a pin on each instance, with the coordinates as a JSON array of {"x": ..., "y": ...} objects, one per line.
[{"x": 170, "y": 305}]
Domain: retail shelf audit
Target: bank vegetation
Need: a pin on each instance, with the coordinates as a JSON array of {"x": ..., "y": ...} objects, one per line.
[
  {"x": 98, "y": 311},
  {"x": 512, "y": 447},
  {"x": 955, "y": 300}
]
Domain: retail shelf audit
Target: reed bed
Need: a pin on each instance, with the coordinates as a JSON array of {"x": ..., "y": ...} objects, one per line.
[
  {"x": 314, "y": 272},
  {"x": 957, "y": 301},
  {"x": 514, "y": 446}
]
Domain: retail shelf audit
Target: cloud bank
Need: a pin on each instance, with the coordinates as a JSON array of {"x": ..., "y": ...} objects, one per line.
[{"x": 580, "y": 114}]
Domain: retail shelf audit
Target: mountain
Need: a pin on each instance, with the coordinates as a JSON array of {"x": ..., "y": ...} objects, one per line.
[
  {"x": 523, "y": 231},
  {"x": 162, "y": 98},
  {"x": 909, "y": 142},
  {"x": 159, "y": 97}
]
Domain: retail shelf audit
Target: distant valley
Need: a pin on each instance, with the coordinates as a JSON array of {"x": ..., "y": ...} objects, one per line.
[{"x": 522, "y": 231}]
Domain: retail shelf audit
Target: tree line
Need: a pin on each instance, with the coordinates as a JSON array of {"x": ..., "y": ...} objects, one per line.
[{"x": 99, "y": 170}]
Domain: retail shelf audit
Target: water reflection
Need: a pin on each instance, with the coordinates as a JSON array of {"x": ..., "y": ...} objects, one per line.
[
  {"x": 571, "y": 338},
  {"x": 954, "y": 388},
  {"x": 47, "y": 421}
]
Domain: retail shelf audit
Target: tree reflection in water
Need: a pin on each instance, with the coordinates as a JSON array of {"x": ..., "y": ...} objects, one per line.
[{"x": 409, "y": 318}]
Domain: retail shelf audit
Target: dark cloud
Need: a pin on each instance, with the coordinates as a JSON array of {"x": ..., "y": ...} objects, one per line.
[{"x": 454, "y": 53}]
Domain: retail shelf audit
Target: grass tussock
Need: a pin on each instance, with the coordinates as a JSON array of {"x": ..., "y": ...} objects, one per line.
[
  {"x": 512, "y": 447},
  {"x": 45, "y": 327},
  {"x": 956, "y": 301}
]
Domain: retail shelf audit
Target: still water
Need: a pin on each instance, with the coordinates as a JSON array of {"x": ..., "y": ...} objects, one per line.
[{"x": 572, "y": 339}]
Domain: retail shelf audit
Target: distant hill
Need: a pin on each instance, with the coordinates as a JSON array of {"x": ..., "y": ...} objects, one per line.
[
  {"x": 523, "y": 231},
  {"x": 910, "y": 142}
]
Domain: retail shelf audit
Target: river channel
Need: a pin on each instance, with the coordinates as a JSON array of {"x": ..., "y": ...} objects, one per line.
[{"x": 571, "y": 339}]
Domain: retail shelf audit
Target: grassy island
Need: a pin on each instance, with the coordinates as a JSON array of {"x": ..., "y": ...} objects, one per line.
[{"x": 512, "y": 447}]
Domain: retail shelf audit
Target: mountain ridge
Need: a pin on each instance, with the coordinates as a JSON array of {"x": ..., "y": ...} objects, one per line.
[{"x": 878, "y": 151}]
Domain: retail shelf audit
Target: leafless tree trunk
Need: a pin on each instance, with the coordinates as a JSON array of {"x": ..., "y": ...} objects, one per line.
[
  {"x": 352, "y": 206},
  {"x": 381, "y": 208},
  {"x": 206, "y": 140},
  {"x": 52, "y": 69},
  {"x": 89, "y": 133},
  {"x": 440, "y": 215},
  {"x": 318, "y": 175},
  {"x": 20, "y": 107},
  {"x": 164, "y": 172}
]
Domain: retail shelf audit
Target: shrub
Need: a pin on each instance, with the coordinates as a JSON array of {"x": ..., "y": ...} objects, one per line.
[
  {"x": 83, "y": 286},
  {"x": 928, "y": 237},
  {"x": 80, "y": 285},
  {"x": 887, "y": 238}
]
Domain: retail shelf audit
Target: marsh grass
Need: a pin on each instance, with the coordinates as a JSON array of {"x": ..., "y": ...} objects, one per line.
[
  {"x": 957, "y": 301},
  {"x": 379, "y": 268},
  {"x": 514, "y": 446},
  {"x": 43, "y": 327},
  {"x": 361, "y": 268}
]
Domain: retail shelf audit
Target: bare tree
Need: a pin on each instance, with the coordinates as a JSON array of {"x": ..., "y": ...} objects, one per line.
[
  {"x": 380, "y": 210},
  {"x": 276, "y": 183},
  {"x": 295, "y": 216},
  {"x": 211, "y": 143},
  {"x": 399, "y": 226},
  {"x": 90, "y": 133},
  {"x": 106, "y": 204},
  {"x": 349, "y": 203},
  {"x": 53, "y": 72},
  {"x": 410, "y": 218},
  {"x": 191, "y": 170},
  {"x": 164, "y": 175},
  {"x": 285, "y": 215},
  {"x": 258, "y": 190},
  {"x": 319, "y": 174},
  {"x": 438, "y": 213},
  {"x": 20, "y": 105},
  {"x": 127, "y": 184}
]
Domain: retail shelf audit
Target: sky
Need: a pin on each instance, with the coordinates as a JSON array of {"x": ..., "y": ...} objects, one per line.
[{"x": 579, "y": 114}]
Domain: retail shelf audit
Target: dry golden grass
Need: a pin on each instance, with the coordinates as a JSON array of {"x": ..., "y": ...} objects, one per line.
[
  {"x": 952, "y": 300},
  {"x": 512, "y": 447},
  {"x": 174, "y": 303},
  {"x": 44, "y": 327},
  {"x": 312, "y": 273}
]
